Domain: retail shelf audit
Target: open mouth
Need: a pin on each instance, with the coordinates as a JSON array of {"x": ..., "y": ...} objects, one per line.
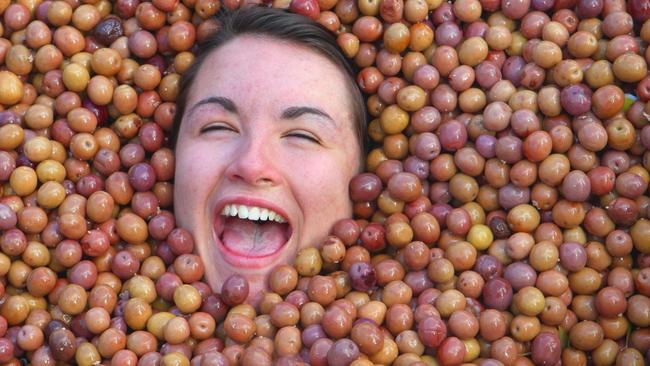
[{"x": 251, "y": 236}]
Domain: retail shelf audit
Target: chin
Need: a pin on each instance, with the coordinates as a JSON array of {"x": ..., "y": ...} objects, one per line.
[{"x": 255, "y": 270}]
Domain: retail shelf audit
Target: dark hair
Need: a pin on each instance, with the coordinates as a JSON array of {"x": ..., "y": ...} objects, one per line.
[{"x": 282, "y": 25}]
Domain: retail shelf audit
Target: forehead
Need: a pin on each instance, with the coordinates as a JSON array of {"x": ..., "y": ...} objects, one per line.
[{"x": 271, "y": 70}]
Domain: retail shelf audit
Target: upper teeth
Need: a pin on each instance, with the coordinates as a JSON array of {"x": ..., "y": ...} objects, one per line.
[{"x": 252, "y": 213}]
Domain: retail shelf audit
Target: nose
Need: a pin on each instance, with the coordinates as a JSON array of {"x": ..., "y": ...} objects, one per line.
[{"x": 254, "y": 163}]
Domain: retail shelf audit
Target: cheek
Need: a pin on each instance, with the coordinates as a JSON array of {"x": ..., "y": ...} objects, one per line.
[
  {"x": 198, "y": 162},
  {"x": 195, "y": 177},
  {"x": 322, "y": 192},
  {"x": 186, "y": 170}
]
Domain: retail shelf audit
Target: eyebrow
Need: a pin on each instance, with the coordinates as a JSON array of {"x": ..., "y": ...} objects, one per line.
[
  {"x": 289, "y": 113},
  {"x": 225, "y": 103},
  {"x": 295, "y": 112}
]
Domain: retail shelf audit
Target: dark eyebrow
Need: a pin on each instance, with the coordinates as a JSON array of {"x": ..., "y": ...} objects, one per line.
[
  {"x": 225, "y": 103},
  {"x": 295, "y": 112}
]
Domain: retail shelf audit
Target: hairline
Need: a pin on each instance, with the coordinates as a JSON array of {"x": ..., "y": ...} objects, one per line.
[
  {"x": 289, "y": 42},
  {"x": 346, "y": 70},
  {"x": 286, "y": 27}
]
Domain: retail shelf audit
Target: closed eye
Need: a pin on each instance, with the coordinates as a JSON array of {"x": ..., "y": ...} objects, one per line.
[
  {"x": 305, "y": 136},
  {"x": 217, "y": 127}
]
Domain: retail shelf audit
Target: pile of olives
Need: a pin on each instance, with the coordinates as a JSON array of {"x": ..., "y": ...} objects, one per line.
[{"x": 503, "y": 217}]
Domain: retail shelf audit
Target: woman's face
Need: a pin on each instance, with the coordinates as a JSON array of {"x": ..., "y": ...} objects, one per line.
[{"x": 264, "y": 156}]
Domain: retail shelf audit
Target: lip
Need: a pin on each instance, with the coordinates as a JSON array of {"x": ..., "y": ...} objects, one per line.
[{"x": 237, "y": 259}]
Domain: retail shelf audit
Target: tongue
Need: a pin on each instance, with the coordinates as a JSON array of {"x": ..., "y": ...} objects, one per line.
[{"x": 251, "y": 239}]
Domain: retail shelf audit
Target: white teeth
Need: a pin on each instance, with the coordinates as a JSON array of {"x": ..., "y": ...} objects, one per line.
[
  {"x": 243, "y": 212},
  {"x": 252, "y": 213}
]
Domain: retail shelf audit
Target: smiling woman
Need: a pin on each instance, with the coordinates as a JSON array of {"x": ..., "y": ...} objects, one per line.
[{"x": 269, "y": 131}]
